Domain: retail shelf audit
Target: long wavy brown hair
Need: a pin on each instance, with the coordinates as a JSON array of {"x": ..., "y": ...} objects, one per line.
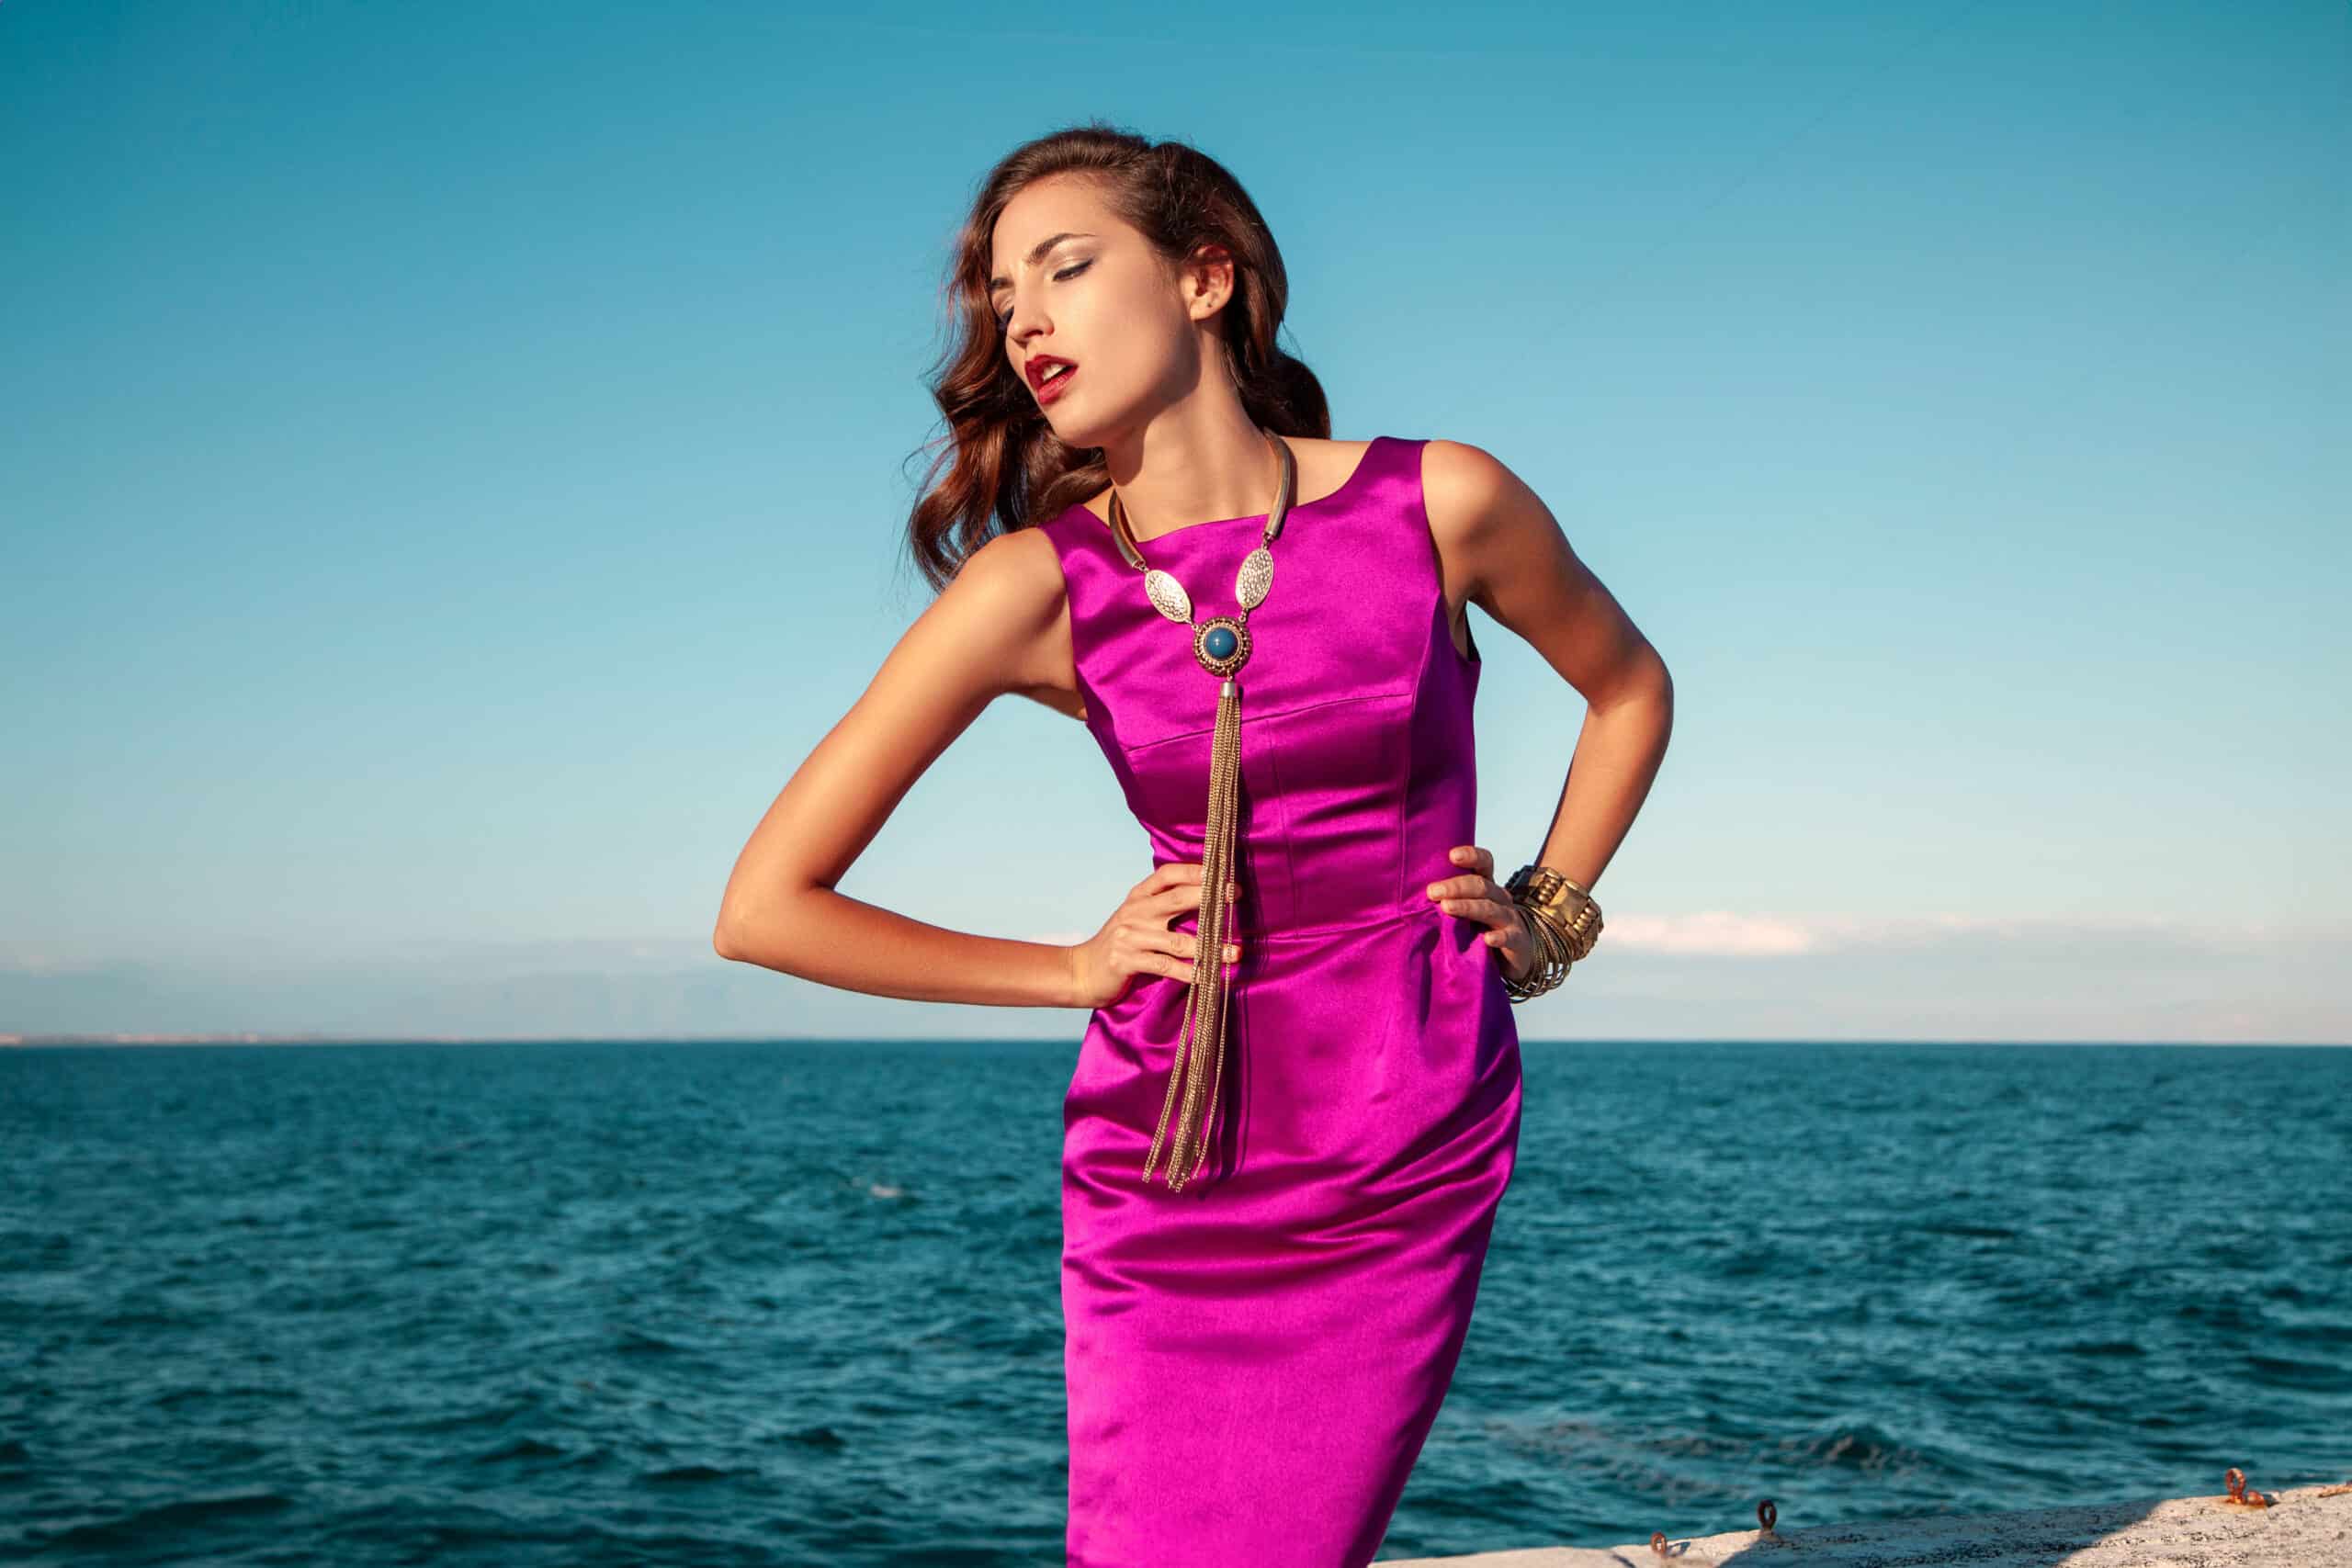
[{"x": 1004, "y": 468}]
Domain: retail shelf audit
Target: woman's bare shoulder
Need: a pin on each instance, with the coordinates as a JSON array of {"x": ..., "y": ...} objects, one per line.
[
  {"x": 1016, "y": 579},
  {"x": 1017, "y": 574},
  {"x": 1469, "y": 493}
]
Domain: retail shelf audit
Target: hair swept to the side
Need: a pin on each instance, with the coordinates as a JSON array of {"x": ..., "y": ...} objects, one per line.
[{"x": 1004, "y": 467}]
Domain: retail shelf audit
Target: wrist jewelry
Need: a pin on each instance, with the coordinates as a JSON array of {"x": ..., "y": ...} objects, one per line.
[{"x": 1562, "y": 916}]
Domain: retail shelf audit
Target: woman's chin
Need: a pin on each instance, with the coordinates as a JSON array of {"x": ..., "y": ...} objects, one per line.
[{"x": 1078, "y": 427}]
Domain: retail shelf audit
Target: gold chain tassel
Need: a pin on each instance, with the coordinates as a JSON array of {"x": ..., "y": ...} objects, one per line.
[{"x": 1204, "y": 1016}]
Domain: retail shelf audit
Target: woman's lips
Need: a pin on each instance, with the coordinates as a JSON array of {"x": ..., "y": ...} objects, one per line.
[{"x": 1048, "y": 391}]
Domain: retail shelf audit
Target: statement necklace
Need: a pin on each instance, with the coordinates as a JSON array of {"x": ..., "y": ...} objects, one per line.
[{"x": 1221, "y": 645}]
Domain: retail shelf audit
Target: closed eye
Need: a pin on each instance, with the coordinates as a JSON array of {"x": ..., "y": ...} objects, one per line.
[{"x": 1005, "y": 318}]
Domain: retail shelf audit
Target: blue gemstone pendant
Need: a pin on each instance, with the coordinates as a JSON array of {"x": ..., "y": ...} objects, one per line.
[{"x": 1221, "y": 644}]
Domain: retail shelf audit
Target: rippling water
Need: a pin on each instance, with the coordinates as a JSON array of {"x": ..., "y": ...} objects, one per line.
[{"x": 799, "y": 1303}]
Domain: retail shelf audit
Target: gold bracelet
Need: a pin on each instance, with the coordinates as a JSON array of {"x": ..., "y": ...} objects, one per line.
[
  {"x": 1565, "y": 900},
  {"x": 1551, "y": 961},
  {"x": 1551, "y": 957},
  {"x": 1564, "y": 919}
]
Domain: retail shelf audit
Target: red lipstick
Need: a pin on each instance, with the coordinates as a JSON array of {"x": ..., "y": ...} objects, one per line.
[{"x": 1061, "y": 369}]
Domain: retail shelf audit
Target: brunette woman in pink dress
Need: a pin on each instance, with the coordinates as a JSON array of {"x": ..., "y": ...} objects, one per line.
[{"x": 1295, "y": 1105}]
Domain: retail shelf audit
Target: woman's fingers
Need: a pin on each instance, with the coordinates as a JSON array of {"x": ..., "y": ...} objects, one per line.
[
  {"x": 1143, "y": 937},
  {"x": 1184, "y": 895},
  {"x": 1178, "y": 960},
  {"x": 1475, "y": 894},
  {"x": 1476, "y": 880},
  {"x": 1140, "y": 938},
  {"x": 1500, "y": 913},
  {"x": 1160, "y": 878},
  {"x": 1457, "y": 893},
  {"x": 1473, "y": 859}
]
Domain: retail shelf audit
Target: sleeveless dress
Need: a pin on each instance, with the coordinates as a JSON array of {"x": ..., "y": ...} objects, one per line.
[{"x": 1254, "y": 1362}]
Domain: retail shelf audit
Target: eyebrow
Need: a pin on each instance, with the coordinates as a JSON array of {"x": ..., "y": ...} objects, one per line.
[{"x": 1037, "y": 253}]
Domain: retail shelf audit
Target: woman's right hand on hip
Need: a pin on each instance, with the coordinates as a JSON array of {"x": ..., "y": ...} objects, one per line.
[{"x": 1140, "y": 938}]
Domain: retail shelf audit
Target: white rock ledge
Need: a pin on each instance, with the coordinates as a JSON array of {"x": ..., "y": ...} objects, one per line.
[{"x": 2305, "y": 1526}]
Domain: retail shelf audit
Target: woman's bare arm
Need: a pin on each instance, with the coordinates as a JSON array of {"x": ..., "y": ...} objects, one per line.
[
  {"x": 995, "y": 629},
  {"x": 1502, "y": 549}
]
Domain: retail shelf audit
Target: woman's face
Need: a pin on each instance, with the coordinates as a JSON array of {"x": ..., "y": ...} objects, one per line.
[{"x": 1071, "y": 282}]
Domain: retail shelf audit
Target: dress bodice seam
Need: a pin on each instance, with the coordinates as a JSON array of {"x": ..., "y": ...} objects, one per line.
[{"x": 1131, "y": 748}]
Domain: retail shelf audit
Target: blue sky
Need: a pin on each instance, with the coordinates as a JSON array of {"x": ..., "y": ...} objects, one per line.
[{"x": 456, "y": 458}]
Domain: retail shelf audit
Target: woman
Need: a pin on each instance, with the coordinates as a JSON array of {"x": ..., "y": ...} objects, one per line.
[{"x": 1259, "y": 1333}]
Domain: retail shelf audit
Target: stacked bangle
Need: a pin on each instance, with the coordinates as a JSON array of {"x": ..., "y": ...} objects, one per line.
[{"x": 1562, "y": 918}]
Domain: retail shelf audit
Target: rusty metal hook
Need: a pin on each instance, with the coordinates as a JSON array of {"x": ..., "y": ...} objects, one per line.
[
  {"x": 2239, "y": 1495},
  {"x": 1766, "y": 1515}
]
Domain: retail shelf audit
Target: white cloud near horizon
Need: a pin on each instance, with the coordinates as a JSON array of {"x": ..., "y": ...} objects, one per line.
[{"x": 1728, "y": 934}]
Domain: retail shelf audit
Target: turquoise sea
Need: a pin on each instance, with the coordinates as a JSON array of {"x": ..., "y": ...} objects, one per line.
[{"x": 798, "y": 1302}]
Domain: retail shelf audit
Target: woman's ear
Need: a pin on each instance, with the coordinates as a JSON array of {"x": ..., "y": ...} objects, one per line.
[{"x": 1208, "y": 281}]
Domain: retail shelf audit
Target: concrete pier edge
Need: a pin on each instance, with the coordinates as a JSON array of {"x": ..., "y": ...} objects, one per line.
[{"x": 2302, "y": 1527}]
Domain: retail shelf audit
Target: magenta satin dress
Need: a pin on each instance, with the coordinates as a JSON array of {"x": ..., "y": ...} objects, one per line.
[{"x": 1254, "y": 1362}]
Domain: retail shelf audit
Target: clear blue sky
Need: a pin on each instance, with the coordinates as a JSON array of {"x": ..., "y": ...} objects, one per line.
[{"x": 455, "y": 460}]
